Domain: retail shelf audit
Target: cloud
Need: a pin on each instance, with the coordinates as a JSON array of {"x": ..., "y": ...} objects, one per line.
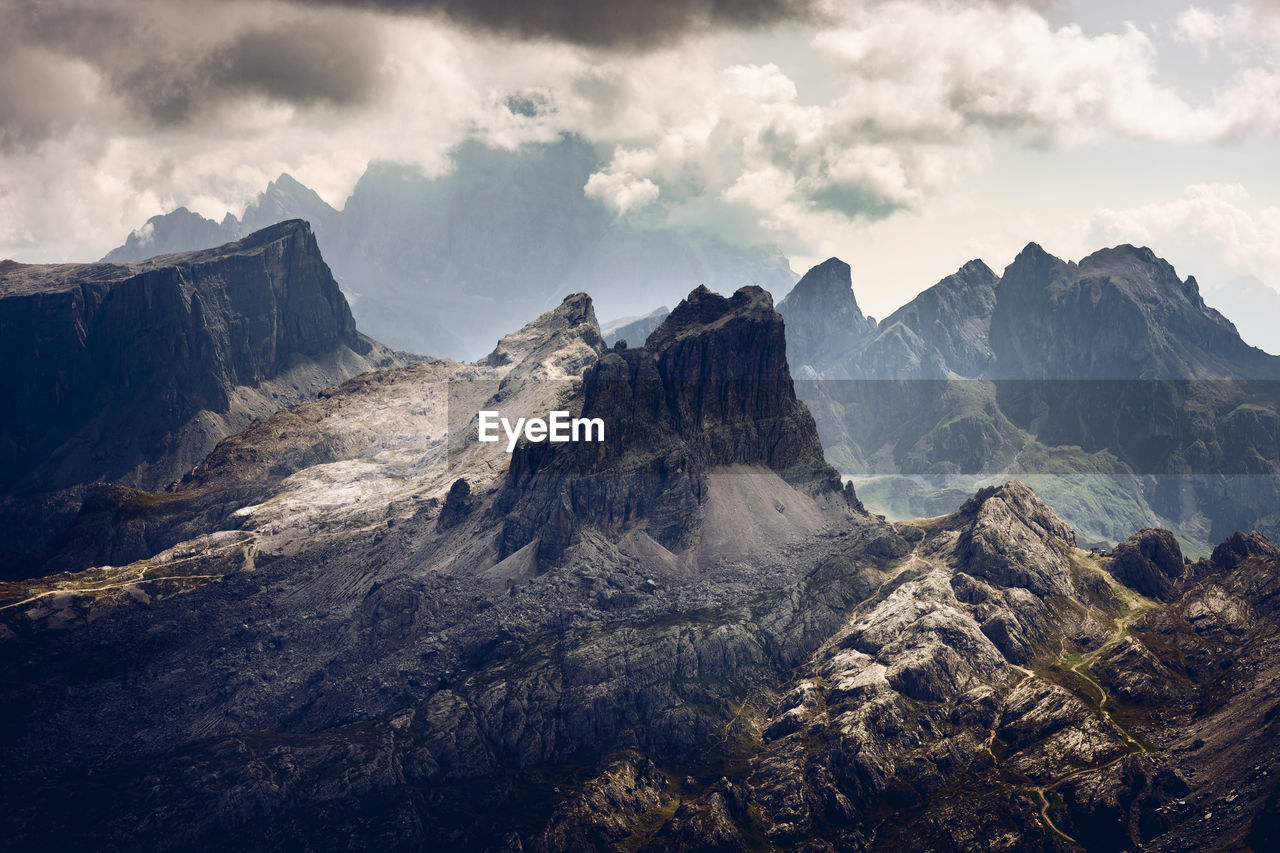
[
  {"x": 114, "y": 110},
  {"x": 921, "y": 89},
  {"x": 617, "y": 24},
  {"x": 934, "y": 67},
  {"x": 1216, "y": 228},
  {"x": 41, "y": 94},
  {"x": 172, "y": 63},
  {"x": 621, "y": 191},
  {"x": 1199, "y": 26}
]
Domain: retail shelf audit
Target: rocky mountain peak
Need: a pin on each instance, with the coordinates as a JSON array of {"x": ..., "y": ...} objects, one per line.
[
  {"x": 823, "y": 316},
  {"x": 977, "y": 269},
  {"x": 710, "y": 389},
  {"x": 178, "y": 231},
  {"x": 1121, "y": 313},
  {"x": 702, "y": 310},
  {"x": 557, "y": 345},
  {"x": 1030, "y": 270},
  {"x": 1240, "y": 547},
  {"x": 830, "y": 280},
  {"x": 1151, "y": 562},
  {"x": 287, "y": 198},
  {"x": 1012, "y": 538},
  {"x": 943, "y": 332}
]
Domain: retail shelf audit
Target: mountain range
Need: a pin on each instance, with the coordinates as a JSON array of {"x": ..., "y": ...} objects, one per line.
[
  {"x": 444, "y": 265},
  {"x": 1109, "y": 383},
  {"x": 352, "y": 625}
]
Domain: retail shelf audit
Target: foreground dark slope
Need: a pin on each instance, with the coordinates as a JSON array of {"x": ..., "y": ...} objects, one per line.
[
  {"x": 131, "y": 373},
  {"x": 689, "y": 638}
]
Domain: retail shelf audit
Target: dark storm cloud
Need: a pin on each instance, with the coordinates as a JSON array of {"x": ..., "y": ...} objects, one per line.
[
  {"x": 621, "y": 24},
  {"x": 299, "y": 63},
  {"x": 171, "y": 63}
]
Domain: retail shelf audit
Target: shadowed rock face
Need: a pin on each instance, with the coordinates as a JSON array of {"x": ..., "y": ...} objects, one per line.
[
  {"x": 1150, "y": 561},
  {"x": 1240, "y": 547},
  {"x": 709, "y": 389},
  {"x": 130, "y": 373}
]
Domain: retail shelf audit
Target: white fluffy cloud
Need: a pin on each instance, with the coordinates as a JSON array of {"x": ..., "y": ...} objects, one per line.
[
  {"x": 913, "y": 95},
  {"x": 1212, "y": 230}
]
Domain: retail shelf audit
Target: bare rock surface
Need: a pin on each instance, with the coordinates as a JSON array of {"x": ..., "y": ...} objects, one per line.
[
  {"x": 700, "y": 642},
  {"x": 223, "y": 336}
]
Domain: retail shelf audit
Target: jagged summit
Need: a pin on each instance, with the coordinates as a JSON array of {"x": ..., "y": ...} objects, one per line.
[
  {"x": 1121, "y": 313},
  {"x": 1013, "y": 538},
  {"x": 943, "y": 332},
  {"x": 572, "y": 324},
  {"x": 823, "y": 318},
  {"x": 712, "y": 378},
  {"x": 708, "y": 390},
  {"x": 177, "y": 231},
  {"x": 287, "y": 198}
]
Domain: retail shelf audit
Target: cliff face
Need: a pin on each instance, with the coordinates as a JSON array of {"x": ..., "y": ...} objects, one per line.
[
  {"x": 710, "y": 389},
  {"x": 131, "y": 372}
]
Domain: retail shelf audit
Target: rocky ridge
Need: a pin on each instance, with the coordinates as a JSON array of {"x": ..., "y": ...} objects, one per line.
[
  {"x": 130, "y": 373},
  {"x": 442, "y": 265}
]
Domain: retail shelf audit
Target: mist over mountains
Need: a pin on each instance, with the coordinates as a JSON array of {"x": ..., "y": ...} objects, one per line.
[{"x": 444, "y": 266}]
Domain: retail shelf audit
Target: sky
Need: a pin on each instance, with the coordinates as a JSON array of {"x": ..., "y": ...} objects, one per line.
[{"x": 904, "y": 136}]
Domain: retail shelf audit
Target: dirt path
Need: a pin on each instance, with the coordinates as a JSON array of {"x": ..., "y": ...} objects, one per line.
[
  {"x": 1079, "y": 664},
  {"x": 138, "y": 573}
]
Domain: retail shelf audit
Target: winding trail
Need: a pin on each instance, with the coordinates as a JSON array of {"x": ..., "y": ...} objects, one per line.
[
  {"x": 138, "y": 575},
  {"x": 111, "y": 586},
  {"x": 1137, "y": 606}
]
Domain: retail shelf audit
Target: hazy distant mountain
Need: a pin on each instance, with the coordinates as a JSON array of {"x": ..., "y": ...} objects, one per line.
[
  {"x": 446, "y": 265},
  {"x": 1121, "y": 313},
  {"x": 179, "y": 231},
  {"x": 1111, "y": 375},
  {"x": 634, "y": 330},
  {"x": 131, "y": 373},
  {"x": 824, "y": 322},
  {"x": 1254, "y": 307}
]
